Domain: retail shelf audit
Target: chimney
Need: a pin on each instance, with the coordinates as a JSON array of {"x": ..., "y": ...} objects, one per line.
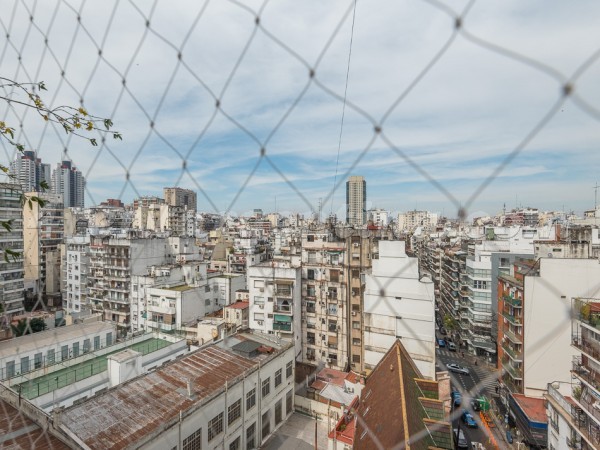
[{"x": 189, "y": 387}]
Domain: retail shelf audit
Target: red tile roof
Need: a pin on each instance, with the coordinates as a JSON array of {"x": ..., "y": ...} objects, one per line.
[
  {"x": 239, "y": 305},
  {"x": 534, "y": 408}
]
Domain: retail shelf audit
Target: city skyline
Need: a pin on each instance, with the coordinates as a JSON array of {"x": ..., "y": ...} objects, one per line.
[{"x": 466, "y": 114}]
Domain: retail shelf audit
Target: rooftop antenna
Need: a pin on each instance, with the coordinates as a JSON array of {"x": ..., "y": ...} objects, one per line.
[{"x": 596, "y": 197}]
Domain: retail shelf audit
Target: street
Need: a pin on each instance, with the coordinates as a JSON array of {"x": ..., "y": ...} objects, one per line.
[{"x": 480, "y": 381}]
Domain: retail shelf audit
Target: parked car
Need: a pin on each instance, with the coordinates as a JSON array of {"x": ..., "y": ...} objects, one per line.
[
  {"x": 475, "y": 405},
  {"x": 453, "y": 367},
  {"x": 443, "y": 331},
  {"x": 468, "y": 419},
  {"x": 441, "y": 342},
  {"x": 459, "y": 438},
  {"x": 452, "y": 346},
  {"x": 509, "y": 437},
  {"x": 456, "y": 398}
]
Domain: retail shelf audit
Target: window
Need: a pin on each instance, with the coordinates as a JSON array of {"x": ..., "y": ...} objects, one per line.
[
  {"x": 75, "y": 349},
  {"x": 259, "y": 316},
  {"x": 64, "y": 352},
  {"x": 10, "y": 369},
  {"x": 554, "y": 418},
  {"x": 215, "y": 426},
  {"x": 259, "y": 283},
  {"x": 355, "y": 341},
  {"x": 235, "y": 444},
  {"x": 278, "y": 378},
  {"x": 37, "y": 360},
  {"x": 193, "y": 441},
  {"x": 356, "y": 359},
  {"x": 234, "y": 412},
  {"x": 250, "y": 399},
  {"x": 259, "y": 300},
  {"x": 334, "y": 275},
  {"x": 86, "y": 346},
  {"x": 250, "y": 433},
  {"x": 109, "y": 338},
  {"x": 96, "y": 342},
  {"x": 289, "y": 402},
  {"x": 310, "y": 290},
  {"x": 289, "y": 369},
  {"x": 356, "y": 325},
  {"x": 266, "y": 387},
  {"x": 50, "y": 358},
  {"x": 266, "y": 425},
  {"x": 25, "y": 364},
  {"x": 310, "y": 274},
  {"x": 278, "y": 415},
  {"x": 312, "y": 257}
]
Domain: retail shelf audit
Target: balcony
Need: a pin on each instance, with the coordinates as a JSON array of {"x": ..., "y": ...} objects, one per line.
[
  {"x": 515, "y": 338},
  {"x": 587, "y": 346},
  {"x": 282, "y": 323},
  {"x": 590, "y": 402},
  {"x": 514, "y": 302},
  {"x": 515, "y": 320},
  {"x": 588, "y": 312},
  {"x": 584, "y": 373},
  {"x": 515, "y": 355},
  {"x": 283, "y": 308},
  {"x": 514, "y": 372}
]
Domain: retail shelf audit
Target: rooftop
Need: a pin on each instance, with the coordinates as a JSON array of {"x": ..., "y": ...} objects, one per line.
[
  {"x": 534, "y": 408},
  {"x": 151, "y": 402},
  {"x": 64, "y": 377},
  {"x": 18, "y": 432},
  {"x": 239, "y": 305},
  {"x": 180, "y": 288},
  {"x": 42, "y": 339}
]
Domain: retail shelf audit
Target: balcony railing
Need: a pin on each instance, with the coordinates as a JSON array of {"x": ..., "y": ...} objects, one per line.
[
  {"x": 512, "y": 319},
  {"x": 583, "y": 372},
  {"x": 514, "y": 302},
  {"x": 514, "y": 354},
  {"x": 514, "y": 372},
  {"x": 513, "y": 337},
  {"x": 279, "y": 326},
  {"x": 287, "y": 309},
  {"x": 587, "y": 346}
]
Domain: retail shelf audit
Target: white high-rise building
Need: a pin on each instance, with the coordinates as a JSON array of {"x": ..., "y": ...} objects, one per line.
[
  {"x": 69, "y": 182},
  {"x": 29, "y": 171},
  {"x": 356, "y": 201}
]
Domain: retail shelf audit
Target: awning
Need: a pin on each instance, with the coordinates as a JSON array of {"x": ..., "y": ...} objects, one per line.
[
  {"x": 489, "y": 347},
  {"x": 280, "y": 318}
]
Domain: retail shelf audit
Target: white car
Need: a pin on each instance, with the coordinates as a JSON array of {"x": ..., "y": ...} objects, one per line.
[{"x": 452, "y": 367}]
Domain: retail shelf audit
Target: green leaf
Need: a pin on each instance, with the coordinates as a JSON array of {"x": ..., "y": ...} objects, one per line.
[
  {"x": 94, "y": 142},
  {"x": 7, "y": 224},
  {"x": 20, "y": 147},
  {"x": 108, "y": 123},
  {"x": 44, "y": 185},
  {"x": 118, "y": 136},
  {"x": 42, "y": 86}
]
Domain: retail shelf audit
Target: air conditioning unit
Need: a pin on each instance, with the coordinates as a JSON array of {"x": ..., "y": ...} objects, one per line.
[
  {"x": 261, "y": 306},
  {"x": 327, "y": 294},
  {"x": 322, "y": 303},
  {"x": 328, "y": 360},
  {"x": 354, "y": 313},
  {"x": 356, "y": 244},
  {"x": 262, "y": 289},
  {"x": 260, "y": 322}
]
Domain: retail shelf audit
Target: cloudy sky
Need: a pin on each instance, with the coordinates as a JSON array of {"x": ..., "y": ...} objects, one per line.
[{"x": 452, "y": 104}]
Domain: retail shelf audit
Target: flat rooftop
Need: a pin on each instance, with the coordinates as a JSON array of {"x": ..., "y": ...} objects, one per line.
[
  {"x": 118, "y": 417},
  {"x": 35, "y": 341},
  {"x": 64, "y": 377}
]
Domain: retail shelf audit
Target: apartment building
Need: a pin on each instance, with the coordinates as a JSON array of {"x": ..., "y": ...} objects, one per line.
[
  {"x": 410, "y": 220},
  {"x": 573, "y": 408},
  {"x": 539, "y": 341},
  {"x": 75, "y": 272},
  {"x": 399, "y": 303},
  {"x": 11, "y": 267},
  {"x": 43, "y": 232},
  {"x": 356, "y": 201},
  {"x": 69, "y": 182},
  {"x": 115, "y": 258},
  {"x": 275, "y": 299},
  {"x": 324, "y": 300},
  {"x": 176, "y": 196},
  {"x": 29, "y": 171},
  {"x": 241, "y": 391}
]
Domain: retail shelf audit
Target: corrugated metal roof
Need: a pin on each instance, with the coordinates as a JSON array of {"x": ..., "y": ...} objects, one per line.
[{"x": 123, "y": 415}]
